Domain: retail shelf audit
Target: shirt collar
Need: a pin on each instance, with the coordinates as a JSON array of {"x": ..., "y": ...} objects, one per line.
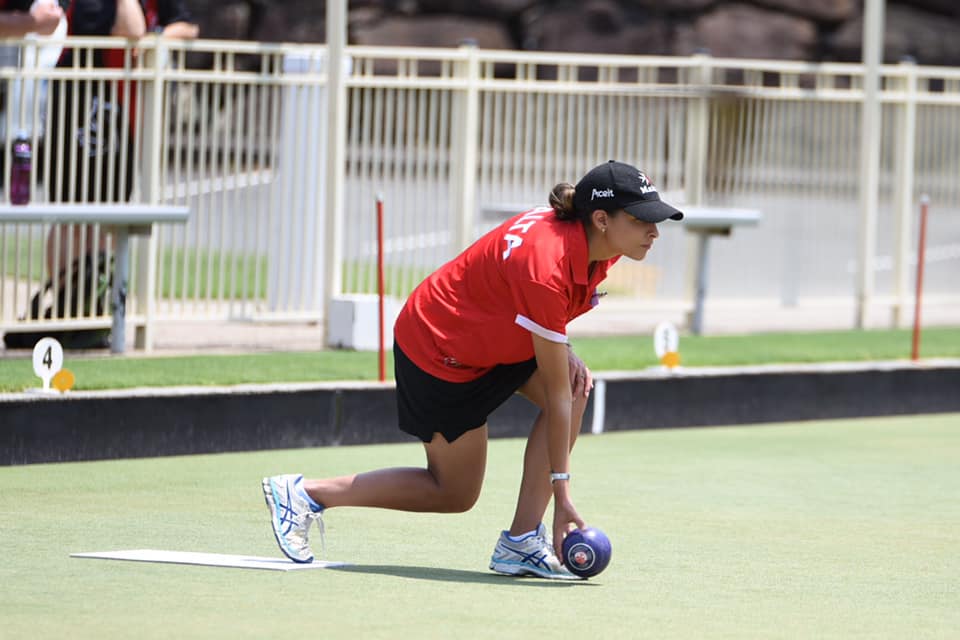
[{"x": 580, "y": 254}]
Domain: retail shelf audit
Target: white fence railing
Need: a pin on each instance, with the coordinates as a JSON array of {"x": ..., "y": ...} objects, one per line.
[{"x": 238, "y": 133}]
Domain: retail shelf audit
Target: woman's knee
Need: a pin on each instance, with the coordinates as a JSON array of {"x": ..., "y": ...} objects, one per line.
[
  {"x": 460, "y": 500},
  {"x": 456, "y": 493},
  {"x": 458, "y": 469},
  {"x": 535, "y": 391}
]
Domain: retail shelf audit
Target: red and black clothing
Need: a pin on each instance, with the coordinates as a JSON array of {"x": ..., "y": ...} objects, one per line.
[
  {"x": 16, "y": 5},
  {"x": 529, "y": 275},
  {"x": 94, "y": 136},
  {"x": 97, "y": 17},
  {"x": 463, "y": 341}
]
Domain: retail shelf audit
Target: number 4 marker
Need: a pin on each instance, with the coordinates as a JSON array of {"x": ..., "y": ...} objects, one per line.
[{"x": 47, "y": 360}]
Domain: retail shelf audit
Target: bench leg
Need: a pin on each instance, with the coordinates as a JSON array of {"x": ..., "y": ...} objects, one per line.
[
  {"x": 118, "y": 295},
  {"x": 700, "y": 290}
]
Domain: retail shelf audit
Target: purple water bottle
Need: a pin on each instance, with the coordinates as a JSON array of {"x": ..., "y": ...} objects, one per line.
[{"x": 20, "y": 170}]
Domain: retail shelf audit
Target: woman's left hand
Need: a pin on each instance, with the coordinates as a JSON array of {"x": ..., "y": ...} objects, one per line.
[{"x": 581, "y": 380}]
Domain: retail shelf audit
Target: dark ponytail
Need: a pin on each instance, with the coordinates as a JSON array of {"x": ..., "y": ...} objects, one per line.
[{"x": 561, "y": 199}]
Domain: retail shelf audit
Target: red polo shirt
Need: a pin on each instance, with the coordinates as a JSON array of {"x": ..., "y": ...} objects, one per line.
[{"x": 529, "y": 275}]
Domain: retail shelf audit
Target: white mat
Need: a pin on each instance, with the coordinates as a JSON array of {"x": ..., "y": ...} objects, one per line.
[{"x": 208, "y": 559}]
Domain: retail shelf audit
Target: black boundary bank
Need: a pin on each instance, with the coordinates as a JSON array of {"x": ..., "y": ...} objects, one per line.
[{"x": 161, "y": 422}]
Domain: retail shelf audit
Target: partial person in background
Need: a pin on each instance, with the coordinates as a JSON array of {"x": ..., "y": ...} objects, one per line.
[
  {"x": 90, "y": 161},
  {"x": 170, "y": 19},
  {"x": 20, "y": 17},
  {"x": 124, "y": 18},
  {"x": 69, "y": 246},
  {"x": 25, "y": 19},
  {"x": 96, "y": 136},
  {"x": 490, "y": 323}
]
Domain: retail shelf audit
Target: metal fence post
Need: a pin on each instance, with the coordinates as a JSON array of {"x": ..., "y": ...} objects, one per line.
[
  {"x": 905, "y": 167},
  {"x": 299, "y": 246},
  {"x": 466, "y": 120},
  {"x": 698, "y": 115},
  {"x": 695, "y": 179},
  {"x": 156, "y": 59},
  {"x": 870, "y": 136},
  {"x": 336, "y": 152}
]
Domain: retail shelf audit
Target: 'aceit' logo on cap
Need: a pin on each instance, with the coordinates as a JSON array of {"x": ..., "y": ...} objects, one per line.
[{"x": 601, "y": 193}]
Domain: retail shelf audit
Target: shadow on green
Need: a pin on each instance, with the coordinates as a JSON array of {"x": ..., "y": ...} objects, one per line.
[{"x": 458, "y": 575}]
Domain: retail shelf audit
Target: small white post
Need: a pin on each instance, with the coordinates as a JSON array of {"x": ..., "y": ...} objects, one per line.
[
  {"x": 336, "y": 150},
  {"x": 465, "y": 151},
  {"x": 153, "y": 92},
  {"x": 906, "y": 165},
  {"x": 698, "y": 131},
  {"x": 695, "y": 178},
  {"x": 599, "y": 406},
  {"x": 870, "y": 134}
]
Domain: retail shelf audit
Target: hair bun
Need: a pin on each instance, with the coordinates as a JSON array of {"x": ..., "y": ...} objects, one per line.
[{"x": 561, "y": 199}]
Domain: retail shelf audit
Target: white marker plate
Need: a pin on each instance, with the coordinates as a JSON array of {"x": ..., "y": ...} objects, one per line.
[
  {"x": 47, "y": 359},
  {"x": 665, "y": 339},
  {"x": 208, "y": 559}
]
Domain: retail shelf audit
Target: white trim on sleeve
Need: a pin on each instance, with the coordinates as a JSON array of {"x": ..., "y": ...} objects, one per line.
[{"x": 543, "y": 332}]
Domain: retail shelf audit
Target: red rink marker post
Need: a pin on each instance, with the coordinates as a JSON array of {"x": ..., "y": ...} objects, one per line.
[
  {"x": 382, "y": 360},
  {"x": 918, "y": 297}
]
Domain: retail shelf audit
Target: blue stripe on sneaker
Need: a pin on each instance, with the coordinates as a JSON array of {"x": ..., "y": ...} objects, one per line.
[
  {"x": 526, "y": 558},
  {"x": 285, "y": 513},
  {"x": 273, "y": 500}
]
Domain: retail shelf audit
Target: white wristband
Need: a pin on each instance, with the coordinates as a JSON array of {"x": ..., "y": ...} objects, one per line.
[{"x": 558, "y": 476}]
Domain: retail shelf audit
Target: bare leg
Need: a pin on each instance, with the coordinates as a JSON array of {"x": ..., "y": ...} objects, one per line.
[
  {"x": 535, "y": 490},
  {"x": 67, "y": 243},
  {"x": 450, "y": 483}
]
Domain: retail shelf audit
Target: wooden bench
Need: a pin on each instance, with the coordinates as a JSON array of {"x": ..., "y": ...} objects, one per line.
[{"x": 123, "y": 219}]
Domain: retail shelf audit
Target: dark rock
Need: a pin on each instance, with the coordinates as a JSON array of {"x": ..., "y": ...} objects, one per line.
[
  {"x": 230, "y": 22},
  {"x": 945, "y": 7},
  {"x": 487, "y": 8},
  {"x": 779, "y": 29},
  {"x": 430, "y": 31},
  {"x": 433, "y": 31},
  {"x": 823, "y": 10},
  {"x": 364, "y": 17},
  {"x": 743, "y": 31},
  {"x": 598, "y": 26},
  {"x": 291, "y": 21},
  {"x": 929, "y": 39},
  {"x": 673, "y": 6}
]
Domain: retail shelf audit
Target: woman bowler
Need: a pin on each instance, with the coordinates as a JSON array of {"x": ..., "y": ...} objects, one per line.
[{"x": 487, "y": 324}]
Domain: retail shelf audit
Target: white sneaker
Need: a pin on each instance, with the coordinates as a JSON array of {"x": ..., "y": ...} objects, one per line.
[
  {"x": 530, "y": 555},
  {"x": 291, "y": 516}
]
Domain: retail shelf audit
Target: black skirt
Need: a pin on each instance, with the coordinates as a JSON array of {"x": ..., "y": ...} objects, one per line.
[{"x": 427, "y": 405}]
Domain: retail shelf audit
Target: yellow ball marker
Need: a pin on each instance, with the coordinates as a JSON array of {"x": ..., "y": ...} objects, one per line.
[
  {"x": 670, "y": 359},
  {"x": 63, "y": 380}
]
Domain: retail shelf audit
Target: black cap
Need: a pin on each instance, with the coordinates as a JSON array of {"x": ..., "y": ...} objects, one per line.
[{"x": 616, "y": 185}]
